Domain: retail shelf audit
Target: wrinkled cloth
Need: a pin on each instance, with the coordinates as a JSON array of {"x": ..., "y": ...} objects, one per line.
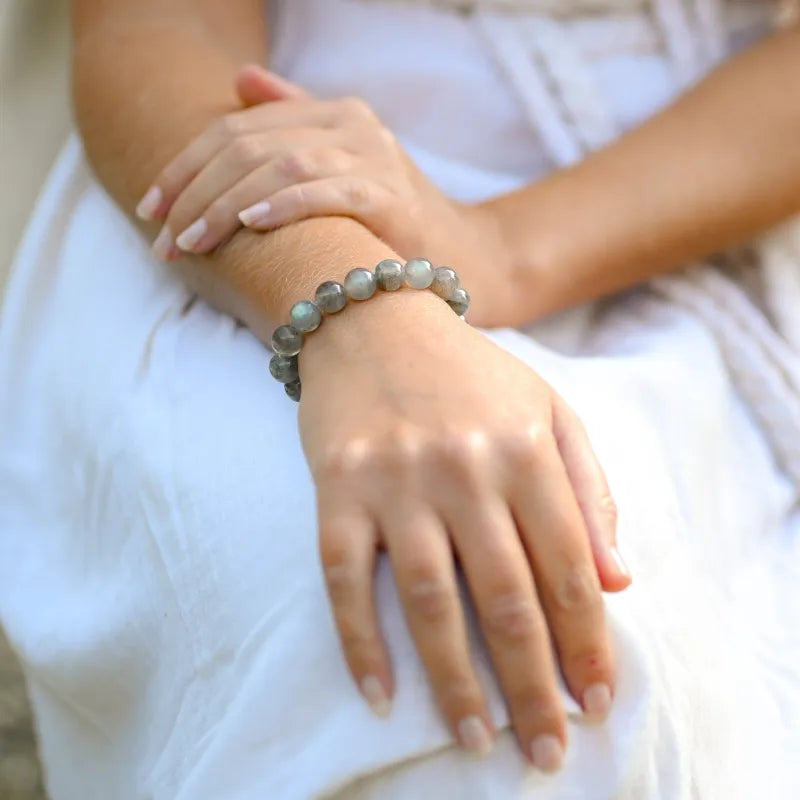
[{"x": 159, "y": 576}]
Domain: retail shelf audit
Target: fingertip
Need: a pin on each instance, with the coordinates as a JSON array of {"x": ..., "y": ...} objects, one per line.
[
  {"x": 596, "y": 701},
  {"x": 148, "y": 206},
  {"x": 378, "y": 695},
  {"x": 547, "y": 753},
  {"x": 256, "y": 216}
]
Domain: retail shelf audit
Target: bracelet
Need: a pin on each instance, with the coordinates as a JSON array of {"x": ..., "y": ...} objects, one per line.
[{"x": 359, "y": 284}]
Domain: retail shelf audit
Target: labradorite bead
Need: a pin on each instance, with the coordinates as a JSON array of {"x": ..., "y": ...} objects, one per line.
[
  {"x": 293, "y": 389},
  {"x": 283, "y": 368},
  {"x": 389, "y": 275},
  {"x": 305, "y": 316},
  {"x": 360, "y": 284},
  {"x": 330, "y": 297},
  {"x": 445, "y": 282},
  {"x": 286, "y": 341},
  {"x": 459, "y": 302},
  {"x": 419, "y": 273}
]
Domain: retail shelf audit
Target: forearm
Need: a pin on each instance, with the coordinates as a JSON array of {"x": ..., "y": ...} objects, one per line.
[
  {"x": 718, "y": 166},
  {"x": 136, "y": 112}
]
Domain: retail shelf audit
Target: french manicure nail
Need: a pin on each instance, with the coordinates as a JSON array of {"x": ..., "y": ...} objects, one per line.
[
  {"x": 189, "y": 239},
  {"x": 620, "y": 562},
  {"x": 547, "y": 753},
  {"x": 474, "y": 735},
  {"x": 376, "y": 696},
  {"x": 256, "y": 214},
  {"x": 164, "y": 246},
  {"x": 597, "y": 700},
  {"x": 149, "y": 204}
]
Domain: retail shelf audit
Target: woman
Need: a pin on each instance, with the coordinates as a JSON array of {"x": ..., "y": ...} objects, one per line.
[{"x": 162, "y": 589}]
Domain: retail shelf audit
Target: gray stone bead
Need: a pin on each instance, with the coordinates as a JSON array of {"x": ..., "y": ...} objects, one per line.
[
  {"x": 419, "y": 273},
  {"x": 445, "y": 282},
  {"x": 286, "y": 341},
  {"x": 283, "y": 368},
  {"x": 459, "y": 302},
  {"x": 305, "y": 316},
  {"x": 293, "y": 390},
  {"x": 330, "y": 297},
  {"x": 360, "y": 284},
  {"x": 389, "y": 275}
]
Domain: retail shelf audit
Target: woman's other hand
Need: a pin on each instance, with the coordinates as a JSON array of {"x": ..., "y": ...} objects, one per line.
[
  {"x": 427, "y": 440},
  {"x": 287, "y": 156}
]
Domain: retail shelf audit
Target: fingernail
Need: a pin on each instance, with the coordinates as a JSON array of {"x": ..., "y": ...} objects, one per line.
[
  {"x": 547, "y": 753},
  {"x": 256, "y": 214},
  {"x": 620, "y": 562},
  {"x": 597, "y": 700},
  {"x": 189, "y": 239},
  {"x": 164, "y": 246},
  {"x": 149, "y": 204},
  {"x": 474, "y": 736},
  {"x": 376, "y": 696}
]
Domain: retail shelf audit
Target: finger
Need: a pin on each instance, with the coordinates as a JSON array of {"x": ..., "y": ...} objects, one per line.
[
  {"x": 185, "y": 226},
  {"x": 187, "y": 164},
  {"x": 344, "y": 195},
  {"x": 179, "y": 173},
  {"x": 514, "y": 626},
  {"x": 224, "y": 216},
  {"x": 426, "y": 581},
  {"x": 244, "y": 156},
  {"x": 593, "y": 495},
  {"x": 255, "y": 85},
  {"x": 348, "y": 543},
  {"x": 555, "y": 538}
]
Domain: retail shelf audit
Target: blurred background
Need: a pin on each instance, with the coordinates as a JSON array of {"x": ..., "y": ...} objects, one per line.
[{"x": 34, "y": 120}]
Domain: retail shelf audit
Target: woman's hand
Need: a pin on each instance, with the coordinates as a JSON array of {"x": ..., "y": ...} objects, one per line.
[
  {"x": 289, "y": 156},
  {"x": 427, "y": 440}
]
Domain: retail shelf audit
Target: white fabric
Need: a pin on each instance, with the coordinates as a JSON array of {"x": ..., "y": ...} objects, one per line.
[{"x": 158, "y": 569}]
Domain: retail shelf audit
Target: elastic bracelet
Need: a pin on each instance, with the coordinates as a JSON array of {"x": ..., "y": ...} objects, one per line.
[{"x": 331, "y": 297}]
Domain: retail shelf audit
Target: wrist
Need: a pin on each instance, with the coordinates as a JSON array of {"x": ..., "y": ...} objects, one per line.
[{"x": 377, "y": 324}]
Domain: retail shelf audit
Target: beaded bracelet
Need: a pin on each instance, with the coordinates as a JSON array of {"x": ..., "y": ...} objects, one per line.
[{"x": 359, "y": 284}]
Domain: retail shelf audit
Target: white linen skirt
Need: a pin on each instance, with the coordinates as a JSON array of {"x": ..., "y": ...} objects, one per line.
[{"x": 159, "y": 576}]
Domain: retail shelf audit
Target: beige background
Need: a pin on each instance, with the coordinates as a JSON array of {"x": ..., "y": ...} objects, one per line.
[
  {"x": 34, "y": 121},
  {"x": 34, "y": 102}
]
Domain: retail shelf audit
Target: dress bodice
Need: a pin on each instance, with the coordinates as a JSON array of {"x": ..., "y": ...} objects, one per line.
[{"x": 549, "y": 79}]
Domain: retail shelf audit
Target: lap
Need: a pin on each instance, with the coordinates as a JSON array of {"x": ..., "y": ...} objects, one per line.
[{"x": 166, "y": 595}]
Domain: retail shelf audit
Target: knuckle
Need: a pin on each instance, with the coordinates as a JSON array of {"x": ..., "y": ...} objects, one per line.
[
  {"x": 228, "y": 125},
  {"x": 429, "y": 597},
  {"x": 359, "y": 195},
  {"x": 523, "y": 449},
  {"x": 361, "y": 646},
  {"x": 296, "y": 166},
  {"x": 405, "y": 448},
  {"x": 344, "y": 459},
  {"x": 340, "y": 578},
  {"x": 337, "y": 560},
  {"x": 608, "y": 509},
  {"x": 334, "y": 161},
  {"x": 357, "y": 109},
  {"x": 577, "y": 590},
  {"x": 466, "y": 452},
  {"x": 245, "y": 151},
  {"x": 512, "y": 616}
]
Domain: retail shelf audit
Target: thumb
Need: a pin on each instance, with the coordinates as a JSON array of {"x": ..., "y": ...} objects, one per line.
[{"x": 256, "y": 85}]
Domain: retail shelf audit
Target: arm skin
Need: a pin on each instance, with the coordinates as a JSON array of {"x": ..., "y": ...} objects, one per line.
[
  {"x": 138, "y": 110},
  {"x": 720, "y": 165}
]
